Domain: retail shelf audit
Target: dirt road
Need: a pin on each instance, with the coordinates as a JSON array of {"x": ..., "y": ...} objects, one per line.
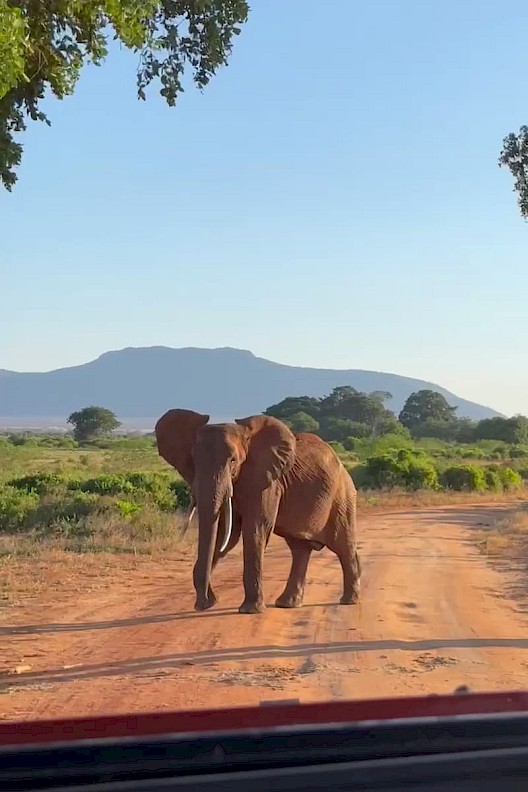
[{"x": 434, "y": 614}]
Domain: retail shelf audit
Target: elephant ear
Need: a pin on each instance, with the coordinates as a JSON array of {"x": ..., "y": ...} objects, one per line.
[
  {"x": 271, "y": 451},
  {"x": 175, "y": 436}
]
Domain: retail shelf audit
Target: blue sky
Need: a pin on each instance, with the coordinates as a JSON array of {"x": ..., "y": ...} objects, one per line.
[{"x": 331, "y": 199}]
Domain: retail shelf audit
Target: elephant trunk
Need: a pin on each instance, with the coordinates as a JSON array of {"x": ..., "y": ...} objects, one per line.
[{"x": 210, "y": 510}]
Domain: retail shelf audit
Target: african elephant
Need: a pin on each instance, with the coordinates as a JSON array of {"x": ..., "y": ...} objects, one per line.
[{"x": 254, "y": 477}]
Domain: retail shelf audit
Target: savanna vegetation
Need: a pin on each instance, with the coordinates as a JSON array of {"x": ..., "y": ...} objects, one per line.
[{"x": 92, "y": 490}]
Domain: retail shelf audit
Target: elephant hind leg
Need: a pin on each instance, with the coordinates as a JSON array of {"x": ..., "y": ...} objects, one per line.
[
  {"x": 293, "y": 594},
  {"x": 351, "y": 567}
]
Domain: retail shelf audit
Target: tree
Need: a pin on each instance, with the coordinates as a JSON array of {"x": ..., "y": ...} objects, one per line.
[
  {"x": 292, "y": 405},
  {"x": 509, "y": 430},
  {"x": 425, "y": 405},
  {"x": 92, "y": 422},
  {"x": 389, "y": 424},
  {"x": 303, "y": 422},
  {"x": 382, "y": 396},
  {"x": 514, "y": 156},
  {"x": 339, "y": 429},
  {"x": 332, "y": 403},
  {"x": 45, "y": 43},
  {"x": 351, "y": 405}
]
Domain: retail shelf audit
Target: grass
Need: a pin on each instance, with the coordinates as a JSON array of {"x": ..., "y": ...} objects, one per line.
[
  {"x": 142, "y": 521},
  {"x": 83, "y": 462},
  {"x": 31, "y": 563},
  {"x": 507, "y": 536},
  {"x": 374, "y": 500}
]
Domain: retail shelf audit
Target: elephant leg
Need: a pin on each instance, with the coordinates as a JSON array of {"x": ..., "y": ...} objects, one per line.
[
  {"x": 351, "y": 567},
  {"x": 235, "y": 538},
  {"x": 258, "y": 521},
  {"x": 293, "y": 594}
]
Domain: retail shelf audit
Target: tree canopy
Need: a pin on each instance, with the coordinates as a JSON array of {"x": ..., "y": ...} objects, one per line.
[
  {"x": 344, "y": 413},
  {"x": 45, "y": 43},
  {"x": 425, "y": 405},
  {"x": 92, "y": 422},
  {"x": 347, "y": 416},
  {"x": 514, "y": 156},
  {"x": 509, "y": 430}
]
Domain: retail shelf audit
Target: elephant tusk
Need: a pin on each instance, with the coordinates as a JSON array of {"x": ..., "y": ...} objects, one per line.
[
  {"x": 228, "y": 524},
  {"x": 190, "y": 517}
]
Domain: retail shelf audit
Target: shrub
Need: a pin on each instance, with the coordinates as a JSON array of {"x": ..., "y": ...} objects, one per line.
[
  {"x": 15, "y": 506},
  {"x": 358, "y": 430},
  {"x": 181, "y": 492},
  {"x": 420, "y": 474},
  {"x": 493, "y": 480},
  {"x": 404, "y": 469},
  {"x": 109, "y": 484},
  {"x": 51, "y": 511},
  {"x": 523, "y": 473},
  {"x": 40, "y": 483},
  {"x": 22, "y": 440},
  {"x": 516, "y": 452},
  {"x": 468, "y": 478},
  {"x": 339, "y": 448},
  {"x": 359, "y": 475},
  {"x": 127, "y": 508},
  {"x": 511, "y": 479}
]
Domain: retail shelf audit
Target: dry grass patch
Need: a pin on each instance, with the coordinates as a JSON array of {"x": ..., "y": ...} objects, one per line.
[
  {"x": 508, "y": 536},
  {"x": 374, "y": 500},
  {"x": 31, "y": 563}
]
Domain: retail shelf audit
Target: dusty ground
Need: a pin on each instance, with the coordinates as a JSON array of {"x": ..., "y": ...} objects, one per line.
[{"x": 434, "y": 614}]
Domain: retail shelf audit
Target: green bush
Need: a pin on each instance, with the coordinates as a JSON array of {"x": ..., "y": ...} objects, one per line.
[
  {"x": 358, "y": 430},
  {"x": 127, "y": 508},
  {"x": 181, "y": 493},
  {"x": 404, "y": 469},
  {"x": 493, "y": 480},
  {"x": 511, "y": 479},
  {"x": 518, "y": 452},
  {"x": 22, "y": 440},
  {"x": 523, "y": 473},
  {"x": 41, "y": 483},
  {"x": 339, "y": 448},
  {"x": 109, "y": 484},
  {"x": 420, "y": 474},
  {"x": 464, "y": 478},
  {"x": 15, "y": 506},
  {"x": 52, "y": 510}
]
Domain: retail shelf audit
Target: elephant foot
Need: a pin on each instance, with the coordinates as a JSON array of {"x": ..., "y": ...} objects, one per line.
[
  {"x": 350, "y": 598},
  {"x": 252, "y": 607},
  {"x": 204, "y": 603},
  {"x": 289, "y": 601}
]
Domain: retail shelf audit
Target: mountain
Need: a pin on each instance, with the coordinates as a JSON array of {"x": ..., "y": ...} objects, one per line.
[{"x": 146, "y": 381}]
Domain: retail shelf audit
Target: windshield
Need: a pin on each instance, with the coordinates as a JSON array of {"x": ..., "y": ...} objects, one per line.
[{"x": 263, "y": 386}]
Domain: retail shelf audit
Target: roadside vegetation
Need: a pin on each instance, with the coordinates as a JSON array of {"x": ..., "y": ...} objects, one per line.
[{"x": 93, "y": 491}]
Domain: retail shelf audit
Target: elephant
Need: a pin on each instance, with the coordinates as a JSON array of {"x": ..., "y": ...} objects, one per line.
[{"x": 254, "y": 477}]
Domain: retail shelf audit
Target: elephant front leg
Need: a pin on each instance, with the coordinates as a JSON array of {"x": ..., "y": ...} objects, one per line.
[
  {"x": 257, "y": 526},
  {"x": 293, "y": 594},
  {"x": 235, "y": 537}
]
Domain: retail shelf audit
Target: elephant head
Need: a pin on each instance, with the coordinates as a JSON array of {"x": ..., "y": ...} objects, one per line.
[{"x": 219, "y": 462}]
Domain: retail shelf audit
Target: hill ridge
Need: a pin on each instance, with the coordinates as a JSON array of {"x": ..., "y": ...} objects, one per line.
[{"x": 145, "y": 381}]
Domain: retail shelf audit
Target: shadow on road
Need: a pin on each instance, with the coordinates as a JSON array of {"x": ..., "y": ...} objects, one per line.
[
  {"x": 214, "y": 656},
  {"x": 44, "y": 629}
]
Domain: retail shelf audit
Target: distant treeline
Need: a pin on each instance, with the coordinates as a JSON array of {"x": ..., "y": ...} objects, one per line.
[{"x": 347, "y": 415}]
